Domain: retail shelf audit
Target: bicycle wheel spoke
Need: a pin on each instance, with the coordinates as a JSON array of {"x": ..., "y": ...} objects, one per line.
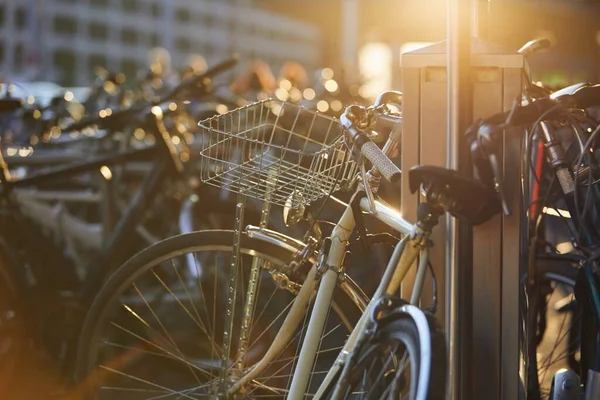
[
  {"x": 184, "y": 308},
  {"x": 162, "y": 349},
  {"x": 263, "y": 309},
  {"x": 188, "y": 296},
  {"x": 383, "y": 370},
  {"x": 155, "y": 333},
  {"x": 135, "y": 378},
  {"x": 556, "y": 347},
  {"x": 330, "y": 331},
  {"x": 272, "y": 322},
  {"x": 126, "y": 389},
  {"x": 277, "y": 391},
  {"x": 210, "y": 328},
  {"x": 180, "y": 393},
  {"x": 165, "y": 298},
  {"x": 270, "y": 377},
  {"x": 164, "y": 329},
  {"x": 291, "y": 360},
  {"x": 564, "y": 352},
  {"x": 122, "y": 346},
  {"x": 319, "y": 352},
  {"x": 549, "y": 357}
]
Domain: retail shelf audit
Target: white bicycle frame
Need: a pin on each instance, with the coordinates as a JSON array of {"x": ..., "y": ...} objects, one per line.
[
  {"x": 403, "y": 257},
  {"x": 48, "y": 209}
]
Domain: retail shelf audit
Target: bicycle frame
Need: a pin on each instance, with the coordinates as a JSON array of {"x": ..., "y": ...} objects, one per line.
[
  {"x": 403, "y": 257},
  {"x": 115, "y": 246},
  {"x": 405, "y": 253}
]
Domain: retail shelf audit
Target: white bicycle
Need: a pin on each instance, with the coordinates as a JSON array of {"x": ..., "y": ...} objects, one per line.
[{"x": 272, "y": 316}]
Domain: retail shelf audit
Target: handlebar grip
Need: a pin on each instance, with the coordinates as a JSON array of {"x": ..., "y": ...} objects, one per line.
[{"x": 386, "y": 167}]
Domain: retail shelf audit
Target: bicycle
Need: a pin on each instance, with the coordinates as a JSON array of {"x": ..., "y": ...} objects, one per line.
[
  {"x": 53, "y": 289},
  {"x": 298, "y": 356},
  {"x": 571, "y": 173}
]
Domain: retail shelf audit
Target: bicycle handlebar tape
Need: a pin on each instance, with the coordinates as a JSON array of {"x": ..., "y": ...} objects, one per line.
[{"x": 386, "y": 167}]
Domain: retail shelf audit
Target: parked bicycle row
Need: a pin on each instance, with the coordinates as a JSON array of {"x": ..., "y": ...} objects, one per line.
[{"x": 188, "y": 246}]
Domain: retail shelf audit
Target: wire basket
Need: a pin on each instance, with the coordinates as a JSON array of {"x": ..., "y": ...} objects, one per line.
[{"x": 275, "y": 151}]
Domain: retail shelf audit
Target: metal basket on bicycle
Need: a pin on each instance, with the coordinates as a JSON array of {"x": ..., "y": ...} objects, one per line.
[{"x": 272, "y": 149}]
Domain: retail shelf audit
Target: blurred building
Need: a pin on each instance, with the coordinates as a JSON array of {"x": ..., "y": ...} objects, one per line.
[
  {"x": 62, "y": 40},
  {"x": 572, "y": 25}
]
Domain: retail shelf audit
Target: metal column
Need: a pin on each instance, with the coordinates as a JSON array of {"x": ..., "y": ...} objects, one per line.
[
  {"x": 459, "y": 263},
  {"x": 481, "y": 310}
]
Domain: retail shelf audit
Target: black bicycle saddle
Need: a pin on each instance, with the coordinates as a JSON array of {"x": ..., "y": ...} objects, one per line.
[{"x": 463, "y": 197}]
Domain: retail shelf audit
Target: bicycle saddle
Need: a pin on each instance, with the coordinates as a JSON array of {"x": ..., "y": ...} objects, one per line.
[{"x": 463, "y": 197}]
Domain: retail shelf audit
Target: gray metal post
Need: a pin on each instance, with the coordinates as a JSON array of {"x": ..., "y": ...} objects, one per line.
[{"x": 457, "y": 265}]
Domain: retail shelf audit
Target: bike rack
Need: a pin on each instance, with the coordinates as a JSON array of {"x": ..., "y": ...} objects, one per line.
[{"x": 481, "y": 268}]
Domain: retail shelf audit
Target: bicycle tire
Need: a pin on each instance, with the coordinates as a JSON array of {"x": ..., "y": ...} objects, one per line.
[
  {"x": 553, "y": 268},
  {"x": 144, "y": 260},
  {"x": 401, "y": 330}
]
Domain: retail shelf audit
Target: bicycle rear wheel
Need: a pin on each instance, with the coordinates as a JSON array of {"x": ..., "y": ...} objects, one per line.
[{"x": 156, "y": 329}]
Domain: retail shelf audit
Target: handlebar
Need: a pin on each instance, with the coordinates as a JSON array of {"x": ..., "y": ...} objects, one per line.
[
  {"x": 389, "y": 97},
  {"x": 395, "y": 98},
  {"x": 352, "y": 120},
  {"x": 200, "y": 79},
  {"x": 534, "y": 46},
  {"x": 112, "y": 121},
  {"x": 585, "y": 97},
  {"x": 483, "y": 134},
  {"x": 121, "y": 117}
]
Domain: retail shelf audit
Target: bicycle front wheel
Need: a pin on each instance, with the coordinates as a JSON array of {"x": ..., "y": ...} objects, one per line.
[
  {"x": 158, "y": 328},
  {"x": 403, "y": 360}
]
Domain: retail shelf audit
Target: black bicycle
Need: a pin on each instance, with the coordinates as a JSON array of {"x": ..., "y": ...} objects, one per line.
[
  {"x": 563, "y": 197},
  {"x": 38, "y": 275}
]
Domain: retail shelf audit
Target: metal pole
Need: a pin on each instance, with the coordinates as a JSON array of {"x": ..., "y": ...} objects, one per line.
[{"x": 457, "y": 265}]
